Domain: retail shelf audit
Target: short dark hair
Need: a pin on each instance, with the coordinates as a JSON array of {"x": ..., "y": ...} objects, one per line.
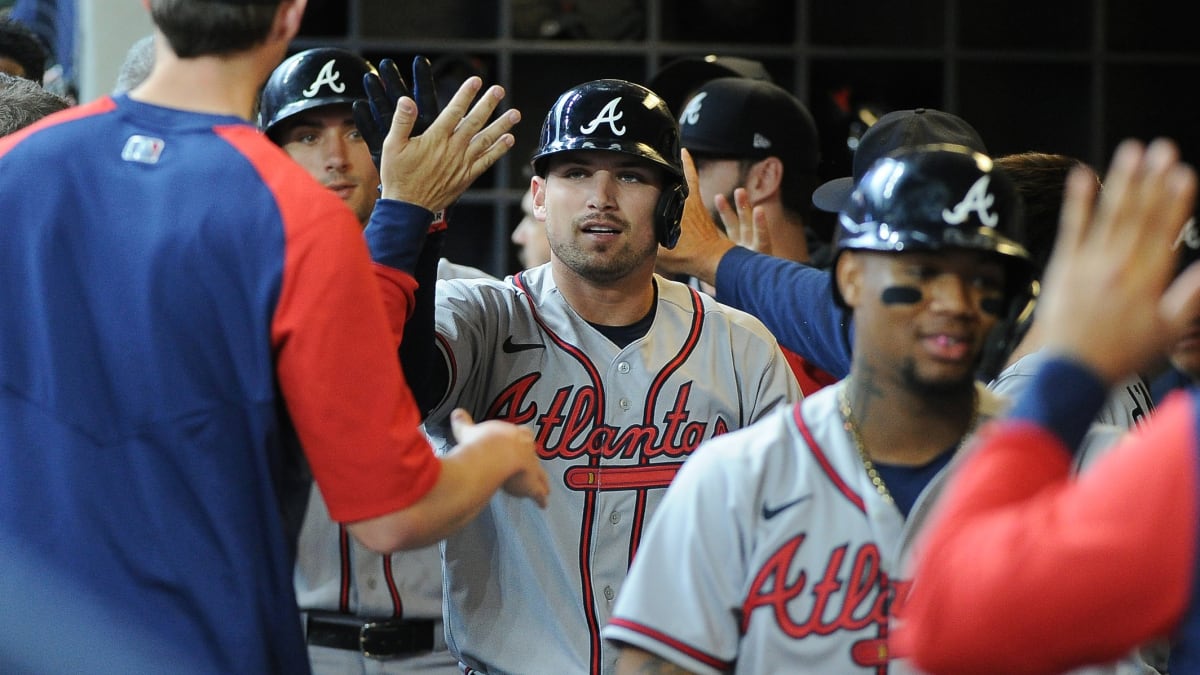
[
  {"x": 194, "y": 28},
  {"x": 23, "y": 102},
  {"x": 24, "y": 46},
  {"x": 1040, "y": 179}
]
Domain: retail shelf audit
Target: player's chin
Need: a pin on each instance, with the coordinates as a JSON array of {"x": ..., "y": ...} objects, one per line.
[{"x": 942, "y": 378}]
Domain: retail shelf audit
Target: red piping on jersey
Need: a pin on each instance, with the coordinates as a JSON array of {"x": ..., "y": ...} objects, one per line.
[
  {"x": 826, "y": 466},
  {"x": 589, "y": 498},
  {"x": 344, "y": 558},
  {"x": 660, "y": 380},
  {"x": 681, "y": 647},
  {"x": 390, "y": 578}
]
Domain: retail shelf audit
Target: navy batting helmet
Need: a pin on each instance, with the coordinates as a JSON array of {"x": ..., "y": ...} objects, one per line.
[
  {"x": 620, "y": 116},
  {"x": 932, "y": 198},
  {"x": 311, "y": 79}
]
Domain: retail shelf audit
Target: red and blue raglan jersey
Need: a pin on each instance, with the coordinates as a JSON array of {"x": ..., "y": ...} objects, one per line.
[
  {"x": 1027, "y": 569},
  {"x": 181, "y": 305}
]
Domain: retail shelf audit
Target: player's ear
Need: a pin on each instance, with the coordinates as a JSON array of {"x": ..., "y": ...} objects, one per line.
[
  {"x": 537, "y": 187},
  {"x": 848, "y": 275},
  {"x": 765, "y": 179},
  {"x": 287, "y": 20}
]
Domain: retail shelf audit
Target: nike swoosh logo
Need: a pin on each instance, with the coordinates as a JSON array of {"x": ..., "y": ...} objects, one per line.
[
  {"x": 769, "y": 513},
  {"x": 511, "y": 347}
]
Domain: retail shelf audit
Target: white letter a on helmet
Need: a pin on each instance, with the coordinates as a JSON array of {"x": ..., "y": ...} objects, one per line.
[
  {"x": 609, "y": 114},
  {"x": 327, "y": 76},
  {"x": 978, "y": 200}
]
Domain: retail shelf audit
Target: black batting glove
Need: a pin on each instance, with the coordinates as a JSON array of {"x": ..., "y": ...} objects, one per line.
[{"x": 373, "y": 117}]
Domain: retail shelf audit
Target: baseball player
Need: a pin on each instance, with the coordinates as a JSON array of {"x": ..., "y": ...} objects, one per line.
[
  {"x": 363, "y": 611},
  {"x": 619, "y": 373},
  {"x": 184, "y": 310},
  {"x": 808, "y": 515},
  {"x": 1033, "y": 571}
]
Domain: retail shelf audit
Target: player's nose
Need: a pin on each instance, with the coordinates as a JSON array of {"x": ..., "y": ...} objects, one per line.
[
  {"x": 603, "y": 190},
  {"x": 951, "y": 292},
  {"x": 336, "y": 153}
]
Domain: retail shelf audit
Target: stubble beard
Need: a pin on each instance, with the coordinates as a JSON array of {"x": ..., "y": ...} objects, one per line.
[
  {"x": 943, "y": 388},
  {"x": 600, "y": 267}
]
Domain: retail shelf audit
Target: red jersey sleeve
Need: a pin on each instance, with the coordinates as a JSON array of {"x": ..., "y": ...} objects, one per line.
[
  {"x": 336, "y": 359},
  {"x": 1026, "y": 569}
]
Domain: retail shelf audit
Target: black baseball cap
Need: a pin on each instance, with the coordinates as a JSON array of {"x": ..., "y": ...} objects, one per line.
[
  {"x": 675, "y": 81},
  {"x": 740, "y": 118},
  {"x": 895, "y": 130}
]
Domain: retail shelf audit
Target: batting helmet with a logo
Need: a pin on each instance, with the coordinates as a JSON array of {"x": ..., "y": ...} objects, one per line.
[
  {"x": 620, "y": 116},
  {"x": 936, "y": 197},
  {"x": 311, "y": 79}
]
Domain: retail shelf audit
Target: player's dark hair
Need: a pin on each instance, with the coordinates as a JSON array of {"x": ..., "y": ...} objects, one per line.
[
  {"x": 197, "y": 29},
  {"x": 24, "y": 46},
  {"x": 23, "y": 102},
  {"x": 1040, "y": 178}
]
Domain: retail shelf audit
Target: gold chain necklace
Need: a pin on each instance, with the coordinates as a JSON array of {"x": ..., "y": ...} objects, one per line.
[{"x": 851, "y": 428}]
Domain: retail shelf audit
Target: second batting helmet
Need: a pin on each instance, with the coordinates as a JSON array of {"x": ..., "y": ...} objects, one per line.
[
  {"x": 620, "y": 116},
  {"x": 311, "y": 79},
  {"x": 932, "y": 198}
]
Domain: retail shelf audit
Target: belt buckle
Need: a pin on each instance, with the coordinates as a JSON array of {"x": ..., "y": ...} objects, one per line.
[{"x": 374, "y": 640}]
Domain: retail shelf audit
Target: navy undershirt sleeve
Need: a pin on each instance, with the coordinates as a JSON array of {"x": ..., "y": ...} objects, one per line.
[
  {"x": 396, "y": 233},
  {"x": 1063, "y": 397},
  {"x": 794, "y": 301}
]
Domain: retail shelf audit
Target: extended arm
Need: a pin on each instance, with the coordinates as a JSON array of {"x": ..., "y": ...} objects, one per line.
[{"x": 795, "y": 301}]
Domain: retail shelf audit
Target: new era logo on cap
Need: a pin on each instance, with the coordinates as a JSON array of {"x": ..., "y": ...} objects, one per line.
[{"x": 760, "y": 141}]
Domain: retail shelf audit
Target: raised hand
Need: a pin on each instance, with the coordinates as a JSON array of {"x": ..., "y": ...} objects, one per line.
[
  {"x": 431, "y": 170},
  {"x": 746, "y": 226},
  {"x": 701, "y": 243},
  {"x": 1103, "y": 301}
]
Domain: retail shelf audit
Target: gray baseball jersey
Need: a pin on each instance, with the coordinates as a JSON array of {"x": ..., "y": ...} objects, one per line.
[
  {"x": 527, "y": 590},
  {"x": 773, "y": 552}
]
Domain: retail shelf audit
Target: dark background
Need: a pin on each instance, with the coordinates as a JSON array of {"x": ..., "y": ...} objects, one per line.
[{"x": 1065, "y": 76}]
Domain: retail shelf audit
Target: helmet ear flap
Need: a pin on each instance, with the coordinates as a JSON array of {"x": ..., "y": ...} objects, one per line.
[{"x": 668, "y": 214}]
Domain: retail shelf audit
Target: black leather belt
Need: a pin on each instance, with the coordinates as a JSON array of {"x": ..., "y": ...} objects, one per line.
[{"x": 375, "y": 638}]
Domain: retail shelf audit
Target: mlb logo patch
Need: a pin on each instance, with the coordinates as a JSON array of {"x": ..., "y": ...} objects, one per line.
[{"x": 144, "y": 149}]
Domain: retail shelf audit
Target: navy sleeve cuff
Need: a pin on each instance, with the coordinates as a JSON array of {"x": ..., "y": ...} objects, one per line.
[
  {"x": 1064, "y": 397},
  {"x": 396, "y": 233},
  {"x": 732, "y": 258}
]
